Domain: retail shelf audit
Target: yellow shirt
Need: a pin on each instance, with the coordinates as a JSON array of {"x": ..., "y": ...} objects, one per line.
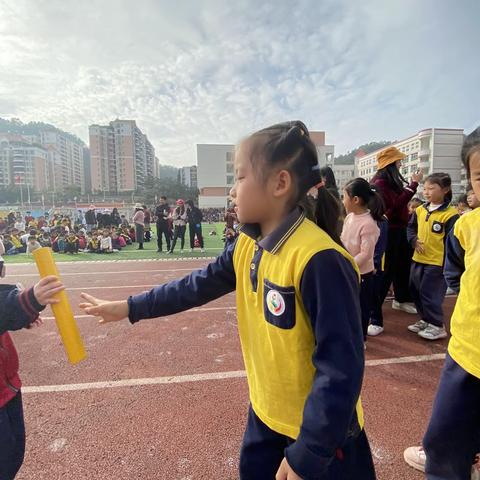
[
  {"x": 464, "y": 346},
  {"x": 278, "y": 361},
  {"x": 432, "y": 227}
]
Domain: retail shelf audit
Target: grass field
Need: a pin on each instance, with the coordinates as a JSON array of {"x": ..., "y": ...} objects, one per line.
[{"x": 213, "y": 246}]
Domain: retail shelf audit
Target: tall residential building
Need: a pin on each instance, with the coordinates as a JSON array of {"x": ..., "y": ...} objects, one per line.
[
  {"x": 216, "y": 172},
  {"x": 188, "y": 176},
  {"x": 431, "y": 150},
  {"x": 24, "y": 163},
  {"x": 66, "y": 157},
  {"x": 121, "y": 157}
]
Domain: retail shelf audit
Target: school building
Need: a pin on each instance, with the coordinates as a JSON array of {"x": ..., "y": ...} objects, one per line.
[{"x": 431, "y": 150}]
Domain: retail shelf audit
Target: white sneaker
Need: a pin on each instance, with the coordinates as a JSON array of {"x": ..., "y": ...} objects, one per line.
[
  {"x": 374, "y": 330},
  {"x": 433, "y": 332},
  {"x": 415, "y": 457},
  {"x": 418, "y": 326},
  {"x": 404, "y": 307}
]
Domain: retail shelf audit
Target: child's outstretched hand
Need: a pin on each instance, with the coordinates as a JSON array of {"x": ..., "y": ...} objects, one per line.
[
  {"x": 46, "y": 289},
  {"x": 107, "y": 311}
]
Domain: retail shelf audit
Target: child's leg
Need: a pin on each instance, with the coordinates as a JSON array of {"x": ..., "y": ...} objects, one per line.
[
  {"x": 262, "y": 450},
  {"x": 452, "y": 437},
  {"x": 12, "y": 438},
  {"x": 376, "y": 314},
  {"x": 417, "y": 272},
  {"x": 432, "y": 293},
  {"x": 366, "y": 297}
]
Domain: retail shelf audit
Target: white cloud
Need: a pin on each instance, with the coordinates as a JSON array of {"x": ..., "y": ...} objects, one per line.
[{"x": 198, "y": 72}]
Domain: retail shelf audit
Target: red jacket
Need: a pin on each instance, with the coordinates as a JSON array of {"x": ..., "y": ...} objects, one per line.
[
  {"x": 396, "y": 204},
  {"x": 19, "y": 309}
]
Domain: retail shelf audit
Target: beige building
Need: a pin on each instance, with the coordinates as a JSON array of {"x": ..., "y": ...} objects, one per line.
[
  {"x": 431, "y": 150},
  {"x": 121, "y": 157},
  {"x": 23, "y": 163},
  {"x": 188, "y": 176},
  {"x": 65, "y": 156}
]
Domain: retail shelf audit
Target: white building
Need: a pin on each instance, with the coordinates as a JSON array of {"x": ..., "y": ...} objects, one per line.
[
  {"x": 431, "y": 150},
  {"x": 215, "y": 174},
  {"x": 188, "y": 176},
  {"x": 343, "y": 174}
]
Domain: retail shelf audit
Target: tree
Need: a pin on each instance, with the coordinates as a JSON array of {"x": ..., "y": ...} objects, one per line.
[
  {"x": 10, "y": 194},
  {"x": 349, "y": 158}
]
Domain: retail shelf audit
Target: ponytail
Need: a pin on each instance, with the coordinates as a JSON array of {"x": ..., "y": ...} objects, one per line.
[
  {"x": 327, "y": 214},
  {"x": 360, "y": 188}
]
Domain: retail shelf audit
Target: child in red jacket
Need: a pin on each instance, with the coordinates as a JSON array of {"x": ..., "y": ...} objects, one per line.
[{"x": 20, "y": 309}]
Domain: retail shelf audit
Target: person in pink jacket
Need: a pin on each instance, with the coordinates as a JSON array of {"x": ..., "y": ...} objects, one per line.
[{"x": 360, "y": 234}]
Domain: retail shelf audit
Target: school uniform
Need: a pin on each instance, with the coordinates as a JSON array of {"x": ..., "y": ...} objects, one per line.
[
  {"x": 453, "y": 435},
  {"x": 427, "y": 283},
  {"x": 299, "y": 324},
  {"x": 376, "y": 314},
  {"x": 19, "y": 309}
]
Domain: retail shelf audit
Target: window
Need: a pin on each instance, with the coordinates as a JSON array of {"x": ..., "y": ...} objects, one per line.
[
  {"x": 230, "y": 180},
  {"x": 229, "y": 168}
]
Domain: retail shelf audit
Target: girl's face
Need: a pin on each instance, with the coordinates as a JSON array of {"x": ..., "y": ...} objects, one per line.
[
  {"x": 434, "y": 193},
  {"x": 472, "y": 200},
  {"x": 348, "y": 202},
  {"x": 253, "y": 199},
  {"x": 474, "y": 164}
]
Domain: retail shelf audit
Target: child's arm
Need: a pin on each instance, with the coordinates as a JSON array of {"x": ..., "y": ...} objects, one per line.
[
  {"x": 22, "y": 307},
  {"x": 454, "y": 262},
  {"x": 368, "y": 238},
  {"x": 412, "y": 234},
  {"x": 198, "y": 288},
  {"x": 330, "y": 293}
]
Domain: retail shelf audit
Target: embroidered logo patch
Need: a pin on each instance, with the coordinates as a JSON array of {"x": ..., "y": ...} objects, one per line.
[
  {"x": 437, "y": 227},
  {"x": 275, "y": 303}
]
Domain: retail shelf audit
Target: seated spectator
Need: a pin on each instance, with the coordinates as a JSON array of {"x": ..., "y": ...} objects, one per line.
[
  {"x": 106, "y": 242},
  {"x": 45, "y": 240},
  {"x": 82, "y": 240},
  {"x": 71, "y": 244},
  {"x": 32, "y": 244},
  {"x": 93, "y": 245}
]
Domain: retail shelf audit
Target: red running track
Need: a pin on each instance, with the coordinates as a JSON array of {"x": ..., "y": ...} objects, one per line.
[{"x": 185, "y": 425}]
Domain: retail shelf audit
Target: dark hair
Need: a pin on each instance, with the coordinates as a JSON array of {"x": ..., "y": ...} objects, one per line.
[
  {"x": 359, "y": 187},
  {"x": 163, "y": 197},
  {"x": 471, "y": 144},
  {"x": 330, "y": 182},
  {"x": 392, "y": 176},
  {"x": 288, "y": 146},
  {"x": 444, "y": 181},
  {"x": 189, "y": 202}
]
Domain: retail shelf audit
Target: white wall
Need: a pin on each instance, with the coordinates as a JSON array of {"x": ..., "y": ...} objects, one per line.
[
  {"x": 211, "y": 165},
  {"x": 212, "y": 202}
]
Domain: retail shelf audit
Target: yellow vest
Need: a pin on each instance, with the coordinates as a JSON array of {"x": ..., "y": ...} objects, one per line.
[
  {"x": 431, "y": 231},
  {"x": 278, "y": 361},
  {"x": 464, "y": 346}
]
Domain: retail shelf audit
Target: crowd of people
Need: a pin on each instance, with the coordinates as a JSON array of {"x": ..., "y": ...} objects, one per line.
[{"x": 296, "y": 250}]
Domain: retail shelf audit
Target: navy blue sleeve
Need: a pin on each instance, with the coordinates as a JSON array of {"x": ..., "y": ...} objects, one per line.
[
  {"x": 19, "y": 308},
  {"x": 200, "y": 287},
  {"x": 330, "y": 293},
  {"x": 381, "y": 245},
  {"x": 412, "y": 230},
  {"x": 454, "y": 262}
]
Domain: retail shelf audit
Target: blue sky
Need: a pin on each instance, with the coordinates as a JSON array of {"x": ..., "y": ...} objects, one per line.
[{"x": 213, "y": 71}]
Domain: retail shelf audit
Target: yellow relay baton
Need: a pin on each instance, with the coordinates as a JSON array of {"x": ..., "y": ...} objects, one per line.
[{"x": 72, "y": 341}]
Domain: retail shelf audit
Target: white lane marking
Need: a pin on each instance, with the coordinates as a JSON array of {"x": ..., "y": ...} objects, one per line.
[
  {"x": 200, "y": 309},
  {"x": 413, "y": 359},
  {"x": 200, "y": 377},
  {"x": 75, "y": 274}
]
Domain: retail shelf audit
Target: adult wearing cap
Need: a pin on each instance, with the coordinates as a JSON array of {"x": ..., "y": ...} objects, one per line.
[
  {"x": 90, "y": 218},
  {"x": 179, "y": 225},
  {"x": 396, "y": 193},
  {"x": 139, "y": 222}
]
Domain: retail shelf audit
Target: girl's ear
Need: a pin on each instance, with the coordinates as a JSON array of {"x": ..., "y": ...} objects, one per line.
[{"x": 282, "y": 183}]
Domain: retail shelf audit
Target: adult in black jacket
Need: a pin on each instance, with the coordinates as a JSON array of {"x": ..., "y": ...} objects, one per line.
[
  {"x": 195, "y": 218},
  {"x": 162, "y": 211},
  {"x": 90, "y": 218}
]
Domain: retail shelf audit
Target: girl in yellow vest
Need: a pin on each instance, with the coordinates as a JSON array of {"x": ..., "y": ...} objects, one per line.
[
  {"x": 298, "y": 310},
  {"x": 427, "y": 231}
]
